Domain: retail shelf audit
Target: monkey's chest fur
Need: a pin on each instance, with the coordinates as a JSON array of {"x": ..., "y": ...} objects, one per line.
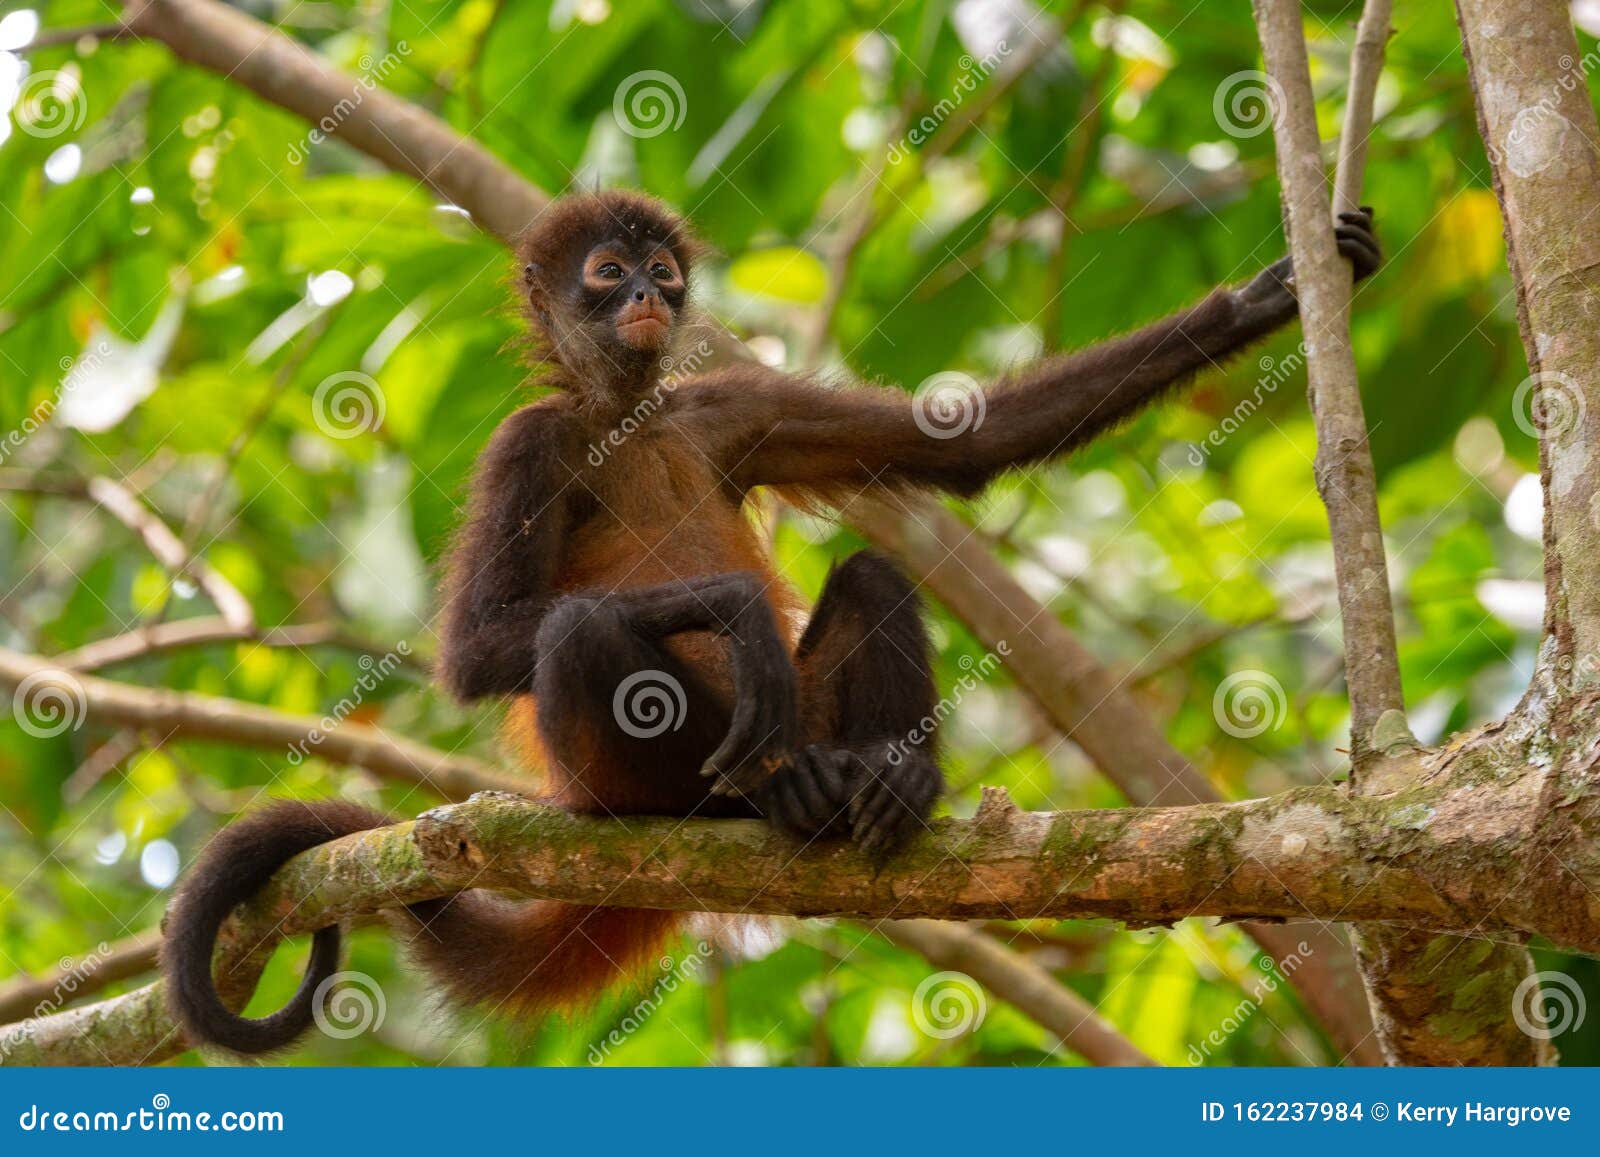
[{"x": 662, "y": 512}]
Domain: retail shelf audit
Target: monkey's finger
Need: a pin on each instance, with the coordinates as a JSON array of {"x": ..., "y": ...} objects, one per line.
[
  {"x": 803, "y": 780},
  {"x": 832, "y": 768},
  {"x": 791, "y": 810},
  {"x": 1359, "y": 248},
  {"x": 884, "y": 831},
  {"x": 1361, "y": 218},
  {"x": 874, "y": 814}
]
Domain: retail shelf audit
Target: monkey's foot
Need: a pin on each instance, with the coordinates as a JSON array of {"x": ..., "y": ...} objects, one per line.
[
  {"x": 897, "y": 789},
  {"x": 811, "y": 796},
  {"x": 877, "y": 793}
]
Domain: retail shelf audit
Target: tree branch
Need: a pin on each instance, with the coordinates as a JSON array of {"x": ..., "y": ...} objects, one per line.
[
  {"x": 392, "y": 130},
  {"x": 1422, "y": 859},
  {"x": 187, "y": 715},
  {"x": 1020, "y": 982},
  {"x": 1345, "y": 476},
  {"x": 25, "y": 996},
  {"x": 160, "y": 638}
]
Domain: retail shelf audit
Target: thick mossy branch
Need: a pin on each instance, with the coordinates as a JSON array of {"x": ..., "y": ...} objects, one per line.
[{"x": 1437, "y": 857}]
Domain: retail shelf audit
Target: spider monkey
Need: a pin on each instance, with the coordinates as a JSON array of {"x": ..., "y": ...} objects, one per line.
[{"x": 573, "y": 579}]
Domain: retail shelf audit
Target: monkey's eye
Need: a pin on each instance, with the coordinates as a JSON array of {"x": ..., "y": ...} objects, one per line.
[
  {"x": 660, "y": 272},
  {"x": 611, "y": 271}
]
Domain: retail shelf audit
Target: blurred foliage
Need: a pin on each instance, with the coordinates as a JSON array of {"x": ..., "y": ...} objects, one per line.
[{"x": 197, "y": 267}]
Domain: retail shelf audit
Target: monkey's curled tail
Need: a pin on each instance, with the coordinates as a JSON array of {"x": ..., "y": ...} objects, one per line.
[
  {"x": 521, "y": 958},
  {"x": 516, "y": 958},
  {"x": 234, "y": 867}
]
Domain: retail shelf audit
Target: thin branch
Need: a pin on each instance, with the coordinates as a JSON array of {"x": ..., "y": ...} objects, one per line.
[
  {"x": 56, "y": 37},
  {"x": 1345, "y": 475},
  {"x": 393, "y": 130},
  {"x": 185, "y": 715},
  {"x": 1020, "y": 982},
  {"x": 74, "y": 979},
  {"x": 169, "y": 550},
  {"x": 160, "y": 638}
]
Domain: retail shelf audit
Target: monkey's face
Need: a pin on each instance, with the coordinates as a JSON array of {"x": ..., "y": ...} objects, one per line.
[{"x": 637, "y": 288}]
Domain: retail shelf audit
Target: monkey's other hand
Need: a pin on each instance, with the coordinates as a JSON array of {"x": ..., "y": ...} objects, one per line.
[
  {"x": 761, "y": 736},
  {"x": 1357, "y": 241},
  {"x": 894, "y": 795},
  {"x": 811, "y": 796}
]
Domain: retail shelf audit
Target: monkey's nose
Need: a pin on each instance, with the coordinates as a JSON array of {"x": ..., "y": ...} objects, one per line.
[{"x": 638, "y": 295}]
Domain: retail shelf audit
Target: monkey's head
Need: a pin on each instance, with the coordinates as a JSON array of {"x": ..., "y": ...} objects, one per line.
[{"x": 606, "y": 282}]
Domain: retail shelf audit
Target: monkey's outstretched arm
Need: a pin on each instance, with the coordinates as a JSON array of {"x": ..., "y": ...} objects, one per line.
[
  {"x": 804, "y": 435},
  {"x": 507, "y": 556}
]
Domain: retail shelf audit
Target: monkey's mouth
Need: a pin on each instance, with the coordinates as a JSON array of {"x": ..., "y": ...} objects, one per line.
[{"x": 644, "y": 325}]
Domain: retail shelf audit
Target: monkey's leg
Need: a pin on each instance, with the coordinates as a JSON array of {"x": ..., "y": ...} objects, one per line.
[
  {"x": 610, "y": 646},
  {"x": 868, "y": 699}
]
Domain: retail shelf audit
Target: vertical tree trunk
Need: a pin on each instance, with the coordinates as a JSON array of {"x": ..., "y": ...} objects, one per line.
[
  {"x": 1539, "y": 128},
  {"x": 1436, "y": 1000}
]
